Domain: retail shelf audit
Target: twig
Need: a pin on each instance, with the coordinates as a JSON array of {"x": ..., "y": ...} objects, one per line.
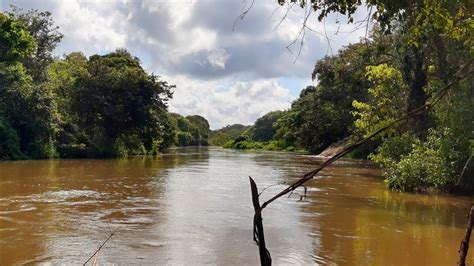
[
  {"x": 301, "y": 35},
  {"x": 243, "y": 14},
  {"x": 327, "y": 38},
  {"x": 289, "y": 8},
  {"x": 267, "y": 188},
  {"x": 368, "y": 22},
  {"x": 463, "y": 170},
  {"x": 101, "y": 246}
]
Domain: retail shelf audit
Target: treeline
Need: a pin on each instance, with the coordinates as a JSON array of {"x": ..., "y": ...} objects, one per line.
[
  {"x": 101, "y": 106},
  {"x": 367, "y": 85}
]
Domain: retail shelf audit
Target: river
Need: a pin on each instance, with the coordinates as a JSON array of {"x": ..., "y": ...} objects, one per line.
[{"x": 192, "y": 206}]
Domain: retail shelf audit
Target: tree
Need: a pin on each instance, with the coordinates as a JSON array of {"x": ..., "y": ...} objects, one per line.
[
  {"x": 41, "y": 27},
  {"x": 15, "y": 41},
  {"x": 190, "y": 130},
  {"x": 264, "y": 129},
  {"x": 200, "y": 129},
  {"x": 62, "y": 75},
  {"x": 322, "y": 114},
  {"x": 26, "y": 109},
  {"x": 116, "y": 98},
  {"x": 221, "y": 136}
]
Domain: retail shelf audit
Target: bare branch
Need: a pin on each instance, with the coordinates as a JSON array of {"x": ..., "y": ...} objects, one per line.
[
  {"x": 327, "y": 38},
  {"x": 290, "y": 7},
  {"x": 458, "y": 182},
  {"x": 243, "y": 13},
  {"x": 267, "y": 188}
]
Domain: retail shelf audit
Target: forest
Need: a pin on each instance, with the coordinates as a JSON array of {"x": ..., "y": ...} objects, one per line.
[
  {"x": 411, "y": 54},
  {"x": 79, "y": 107},
  {"x": 337, "y": 139},
  {"x": 109, "y": 106}
]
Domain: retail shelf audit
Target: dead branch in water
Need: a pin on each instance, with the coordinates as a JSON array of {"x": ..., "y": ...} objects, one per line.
[
  {"x": 258, "y": 235},
  {"x": 258, "y": 226},
  {"x": 464, "y": 248},
  {"x": 101, "y": 246}
]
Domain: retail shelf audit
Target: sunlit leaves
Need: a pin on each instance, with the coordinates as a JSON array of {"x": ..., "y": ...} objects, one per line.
[
  {"x": 387, "y": 99},
  {"x": 15, "y": 41}
]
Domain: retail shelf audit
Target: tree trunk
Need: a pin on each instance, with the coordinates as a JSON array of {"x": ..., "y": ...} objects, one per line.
[{"x": 414, "y": 73}]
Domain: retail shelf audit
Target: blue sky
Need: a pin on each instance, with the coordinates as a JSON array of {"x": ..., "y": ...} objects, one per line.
[{"x": 228, "y": 76}]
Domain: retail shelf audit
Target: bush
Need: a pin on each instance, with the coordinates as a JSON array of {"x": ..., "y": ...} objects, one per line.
[
  {"x": 129, "y": 145},
  {"x": 76, "y": 151},
  {"x": 414, "y": 165},
  {"x": 42, "y": 150},
  {"x": 9, "y": 142}
]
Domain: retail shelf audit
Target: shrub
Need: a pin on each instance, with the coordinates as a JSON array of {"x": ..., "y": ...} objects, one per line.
[
  {"x": 76, "y": 151},
  {"x": 414, "y": 165},
  {"x": 129, "y": 145},
  {"x": 9, "y": 142}
]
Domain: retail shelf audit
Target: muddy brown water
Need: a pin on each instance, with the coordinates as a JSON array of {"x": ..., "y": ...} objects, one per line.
[{"x": 192, "y": 206}]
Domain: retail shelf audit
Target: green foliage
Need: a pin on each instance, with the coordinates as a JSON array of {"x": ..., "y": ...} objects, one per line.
[
  {"x": 129, "y": 145},
  {"x": 9, "y": 142},
  {"x": 415, "y": 165},
  {"x": 77, "y": 107},
  {"x": 199, "y": 130},
  {"x": 75, "y": 151},
  {"x": 190, "y": 130},
  {"x": 15, "y": 41},
  {"x": 322, "y": 114},
  {"x": 243, "y": 143},
  {"x": 386, "y": 101},
  {"x": 62, "y": 75},
  {"x": 40, "y": 26},
  {"x": 115, "y": 97},
  {"x": 264, "y": 129},
  {"x": 221, "y": 136}
]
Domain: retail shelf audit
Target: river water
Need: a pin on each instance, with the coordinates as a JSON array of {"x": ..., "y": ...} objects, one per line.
[{"x": 192, "y": 206}]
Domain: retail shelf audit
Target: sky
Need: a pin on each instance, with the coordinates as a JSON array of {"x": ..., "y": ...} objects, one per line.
[{"x": 227, "y": 71}]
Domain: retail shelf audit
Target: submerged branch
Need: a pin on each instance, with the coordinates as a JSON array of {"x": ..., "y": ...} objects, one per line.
[
  {"x": 258, "y": 235},
  {"x": 464, "y": 248}
]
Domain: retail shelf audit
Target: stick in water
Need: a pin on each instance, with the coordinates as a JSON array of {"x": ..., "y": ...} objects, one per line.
[{"x": 101, "y": 246}]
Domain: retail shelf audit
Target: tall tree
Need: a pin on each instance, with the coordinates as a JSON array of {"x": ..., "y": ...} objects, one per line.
[
  {"x": 116, "y": 97},
  {"x": 47, "y": 36}
]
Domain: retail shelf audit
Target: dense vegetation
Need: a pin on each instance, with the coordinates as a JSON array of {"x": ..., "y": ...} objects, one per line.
[
  {"x": 101, "y": 106},
  {"x": 108, "y": 105},
  {"x": 415, "y": 50},
  {"x": 221, "y": 136}
]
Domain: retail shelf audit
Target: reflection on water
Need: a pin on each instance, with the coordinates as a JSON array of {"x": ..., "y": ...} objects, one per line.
[{"x": 192, "y": 206}]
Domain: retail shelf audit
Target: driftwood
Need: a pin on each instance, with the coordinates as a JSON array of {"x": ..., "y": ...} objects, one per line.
[
  {"x": 464, "y": 248},
  {"x": 258, "y": 225}
]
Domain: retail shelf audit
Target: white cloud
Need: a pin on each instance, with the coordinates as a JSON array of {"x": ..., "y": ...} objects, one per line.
[
  {"x": 218, "y": 58},
  {"x": 227, "y": 76},
  {"x": 241, "y": 102}
]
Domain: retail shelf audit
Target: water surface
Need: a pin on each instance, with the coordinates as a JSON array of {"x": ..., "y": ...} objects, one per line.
[{"x": 192, "y": 206}]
